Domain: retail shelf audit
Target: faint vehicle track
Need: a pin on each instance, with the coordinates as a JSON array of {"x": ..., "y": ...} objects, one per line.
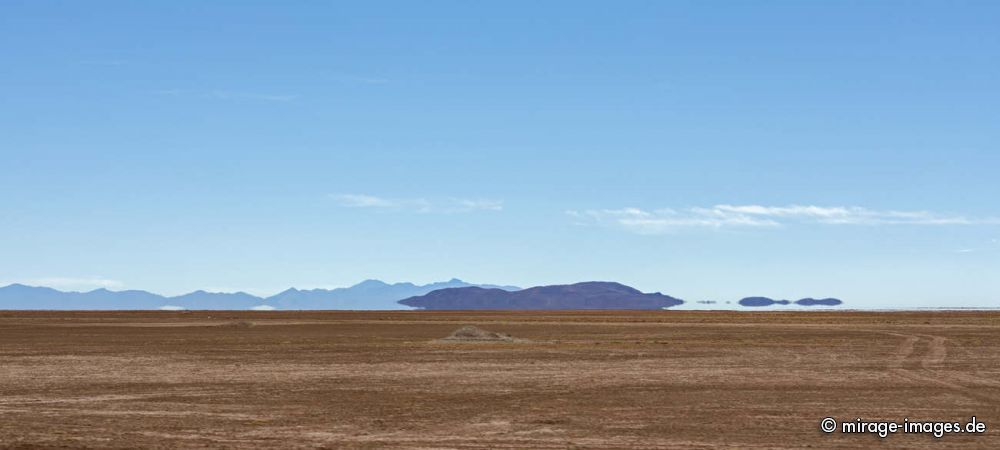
[{"x": 922, "y": 358}]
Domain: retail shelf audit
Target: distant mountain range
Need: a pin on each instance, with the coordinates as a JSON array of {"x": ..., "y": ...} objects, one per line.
[
  {"x": 373, "y": 295},
  {"x": 369, "y": 294},
  {"x": 587, "y": 295},
  {"x": 764, "y": 301}
]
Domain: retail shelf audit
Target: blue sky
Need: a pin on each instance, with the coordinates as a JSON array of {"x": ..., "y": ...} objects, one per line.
[{"x": 708, "y": 150}]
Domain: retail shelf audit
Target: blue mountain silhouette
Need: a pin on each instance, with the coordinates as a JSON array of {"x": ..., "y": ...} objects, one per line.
[
  {"x": 586, "y": 295},
  {"x": 369, "y": 294}
]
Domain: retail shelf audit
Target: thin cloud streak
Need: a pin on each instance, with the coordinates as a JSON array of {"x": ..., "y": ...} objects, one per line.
[
  {"x": 851, "y": 215},
  {"x": 363, "y": 201},
  {"x": 756, "y": 216},
  {"x": 104, "y": 62},
  {"x": 354, "y": 78},
  {"x": 229, "y": 95},
  {"x": 420, "y": 205}
]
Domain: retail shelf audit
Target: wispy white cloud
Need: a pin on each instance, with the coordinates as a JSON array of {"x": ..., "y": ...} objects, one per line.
[
  {"x": 229, "y": 95},
  {"x": 421, "y": 205},
  {"x": 103, "y": 62},
  {"x": 732, "y": 216},
  {"x": 263, "y": 308},
  {"x": 364, "y": 80},
  {"x": 171, "y": 308},
  {"x": 74, "y": 283},
  {"x": 852, "y": 215},
  {"x": 354, "y": 78},
  {"x": 464, "y": 204},
  {"x": 364, "y": 201},
  {"x": 169, "y": 92},
  {"x": 667, "y": 220},
  {"x": 233, "y": 95}
]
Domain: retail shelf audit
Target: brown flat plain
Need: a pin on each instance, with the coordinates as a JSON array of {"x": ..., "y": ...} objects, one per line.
[{"x": 574, "y": 379}]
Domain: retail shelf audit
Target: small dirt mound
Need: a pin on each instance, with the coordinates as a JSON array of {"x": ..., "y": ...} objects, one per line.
[
  {"x": 475, "y": 334},
  {"x": 243, "y": 324}
]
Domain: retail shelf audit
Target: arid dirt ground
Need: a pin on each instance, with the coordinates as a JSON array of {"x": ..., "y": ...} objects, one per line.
[{"x": 568, "y": 380}]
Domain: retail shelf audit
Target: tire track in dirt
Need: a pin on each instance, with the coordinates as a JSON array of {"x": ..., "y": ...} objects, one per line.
[
  {"x": 922, "y": 357},
  {"x": 936, "y": 352},
  {"x": 904, "y": 350},
  {"x": 937, "y": 355}
]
